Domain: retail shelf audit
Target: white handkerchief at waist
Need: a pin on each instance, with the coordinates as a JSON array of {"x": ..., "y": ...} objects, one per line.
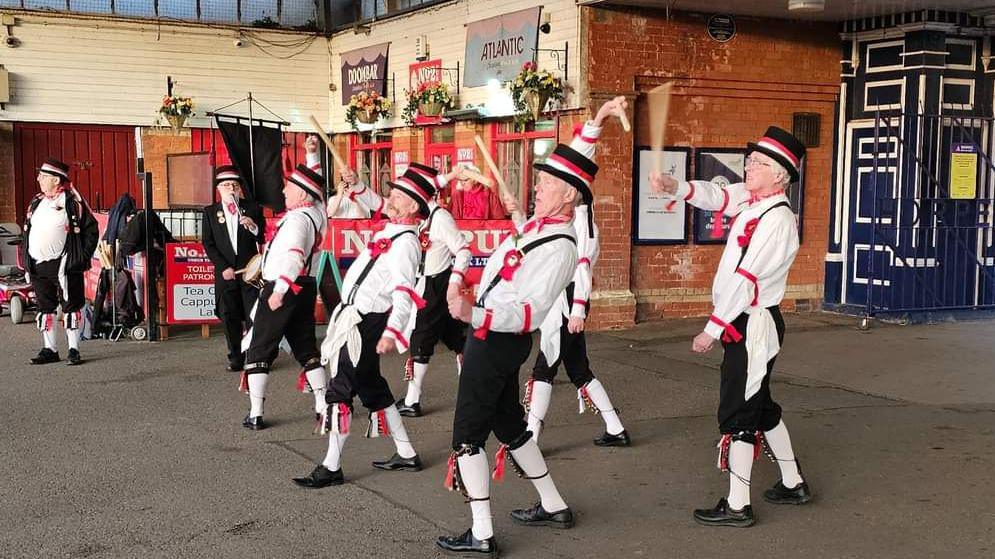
[
  {"x": 762, "y": 345},
  {"x": 342, "y": 332}
]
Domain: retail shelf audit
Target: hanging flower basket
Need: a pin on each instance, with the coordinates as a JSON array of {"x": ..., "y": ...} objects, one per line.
[
  {"x": 428, "y": 99},
  {"x": 531, "y": 90},
  {"x": 536, "y": 100},
  {"x": 176, "y": 109},
  {"x": 367, "y": 107}
]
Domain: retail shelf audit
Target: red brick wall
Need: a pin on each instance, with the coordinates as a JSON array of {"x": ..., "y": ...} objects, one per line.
[{"x": 725, "y": 95}]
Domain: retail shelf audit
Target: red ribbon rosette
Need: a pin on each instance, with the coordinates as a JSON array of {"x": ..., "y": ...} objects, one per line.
[
  {"x": 423, "y": 239},
  {"x": 512, "y": 261},
  {"x": 379, "y": 247},
  {"x": 751, "y": 227}
]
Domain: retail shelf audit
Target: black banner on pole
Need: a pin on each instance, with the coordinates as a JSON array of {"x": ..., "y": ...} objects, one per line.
[{"x": 265, "y": 185}]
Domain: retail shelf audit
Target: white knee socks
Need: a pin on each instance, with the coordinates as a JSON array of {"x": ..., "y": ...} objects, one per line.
[
  {"x": 740, "y": 467},
  {"x": 397, "y": 432},
  {"x": 257, "y": 393},
  {"x": 72, "y": 336},
  {"x": 316, "y": 379},
  {"x": 333, "y": 458},
  {"x": 476, "y": 479},
  {"x": 530, "y": 459},
  {"x": 414, "y": 385},
  {"x": 48, "y": 336},
  {"x": 780, "y": 445},
  {"x": 542, "y": 393},
  {"x": 604, "y": 404}
]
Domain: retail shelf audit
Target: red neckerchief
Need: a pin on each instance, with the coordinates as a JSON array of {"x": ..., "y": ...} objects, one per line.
[
  {"x": 58, "y": 191},
  {"x": 538, "y": 223},
  {"x": 232, "y": 208},
  {"x": 756, "y": 198}
]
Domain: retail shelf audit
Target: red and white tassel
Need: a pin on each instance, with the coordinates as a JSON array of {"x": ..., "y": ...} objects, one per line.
[
  {"x": 378, "y": 425},
  {"x": 723, "y": 447},
  {"x": 409, "y": 370},
  {"x": 584, "y": 400},
  {"x": 243, "y": 383},
  {"x": 302, "y": 384},
  {"x": 500, "y": 463},
  {"x": 450, "y": 482},
  {"x": 336, "y": 418},
  {"x": 527, "y": 400}
]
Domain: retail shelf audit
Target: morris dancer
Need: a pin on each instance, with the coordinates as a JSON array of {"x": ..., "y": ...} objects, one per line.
[
  {"x": 746, "y": 294},
  {"x": 521, "y": 282},
  {"x": 441, "y": 275},
  {"x": 57, "y": 245},
  {"x": 562, "y": 333},
  {"x": 286, "y": 302},
  {"x": 378, "y": 293}
]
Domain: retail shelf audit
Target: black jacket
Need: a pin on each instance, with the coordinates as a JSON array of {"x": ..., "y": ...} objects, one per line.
[
  {"x": 218, "y": 245},
  {"x": 81, "y": 239}
]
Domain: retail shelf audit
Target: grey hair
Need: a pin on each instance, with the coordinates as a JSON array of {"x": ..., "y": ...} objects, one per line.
[{"x": 783, "y": 176}]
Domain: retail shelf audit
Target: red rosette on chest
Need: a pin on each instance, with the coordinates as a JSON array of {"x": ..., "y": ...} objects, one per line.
[
  {"x": 424, "y": 240},
  {"x": 512, "y": 261},
  {"x": 379, "y": 246},
  {"x": 748, "y": 231}
]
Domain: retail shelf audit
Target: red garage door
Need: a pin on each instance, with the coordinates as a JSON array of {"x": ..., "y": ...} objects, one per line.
[{"x": 102, "y": 160}]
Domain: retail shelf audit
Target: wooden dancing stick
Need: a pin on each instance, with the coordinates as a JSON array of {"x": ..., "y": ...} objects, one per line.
[
  {"x": 625, "y": 121},
  {"x": 517, "y": 215},
  {"x": 339, "y": 162},
  {"x": 659, "y": 105}
]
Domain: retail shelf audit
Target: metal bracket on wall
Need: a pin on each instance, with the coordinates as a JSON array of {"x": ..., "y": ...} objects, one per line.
[
  {"x": 452, "y": 75},
  {"x": 560, "y": 56}
]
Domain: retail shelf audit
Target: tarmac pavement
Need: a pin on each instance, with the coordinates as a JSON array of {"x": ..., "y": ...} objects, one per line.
[{"x": 140, "y": 453}]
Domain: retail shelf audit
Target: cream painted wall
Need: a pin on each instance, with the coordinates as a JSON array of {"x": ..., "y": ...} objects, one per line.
[{"x": 101, "y": 71}]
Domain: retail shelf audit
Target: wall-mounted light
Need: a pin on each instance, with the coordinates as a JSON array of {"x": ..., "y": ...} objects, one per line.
[
  {"x": 545, "y": 28},
  {"x": 805, "y": 6}
]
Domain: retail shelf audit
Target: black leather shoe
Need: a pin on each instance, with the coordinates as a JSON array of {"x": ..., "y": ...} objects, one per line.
[
  {"x": 724, "y": 515},
  {"x": 45, "y": 356},
  {"x": 621, "y": 439},
  {"x": 395, "y": 462},
  {"x": 781, "y": 495},
  {"x": 254, "y": 423},
  {"x": 74, "y": 358},
  {"x": 469, "y": 545},
  {"x": 414, "y": 410},
  {"x": 321, "y": 477},
  {"x": 537, "y": 516},
  {"x": 234, "y": 367}
]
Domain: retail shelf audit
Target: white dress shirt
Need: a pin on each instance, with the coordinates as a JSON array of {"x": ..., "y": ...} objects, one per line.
[
  {"x": 287, "y": 253},
  {"x": 49, "y": 229},
  {"x": 447, "y": 245}
]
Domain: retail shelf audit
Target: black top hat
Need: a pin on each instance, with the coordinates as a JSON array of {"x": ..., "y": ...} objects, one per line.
[
  {"x": 782, "y": 147},
  {"x": 310, "y": 181},
  {"x": 227, "y": 173},
  {"x": 572, "y": 167},
  {"x": 417, "y": 185},
  {"x": 56, "y": 168}
]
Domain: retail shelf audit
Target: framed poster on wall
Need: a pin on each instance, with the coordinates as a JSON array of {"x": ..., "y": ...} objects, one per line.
[
  {"x": 653, "y": 222},
  {"x": 722, "y": 166}
]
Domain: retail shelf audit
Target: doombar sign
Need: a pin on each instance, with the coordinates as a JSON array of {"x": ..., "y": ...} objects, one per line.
[
  {"x": 364, "y": 69},
  {"x": 497, "y": 47}
]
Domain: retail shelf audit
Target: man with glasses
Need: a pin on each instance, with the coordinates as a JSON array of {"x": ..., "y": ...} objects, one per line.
[{"x": 748, "y": 287}]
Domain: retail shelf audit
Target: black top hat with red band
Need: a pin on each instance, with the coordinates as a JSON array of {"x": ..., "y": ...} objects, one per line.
[
  {"x": 572, "y": 167},
  {"x": 227, "y": 173},
  {"x": 416, "y": 183},
  {"x": 429, "y": 173},
  {"x": 781, "y": 146},
  {"x": 310, "y": 181},
  {"x": 56, "y": 168}
]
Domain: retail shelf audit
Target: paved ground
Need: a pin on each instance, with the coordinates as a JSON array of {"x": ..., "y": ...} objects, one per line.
[{"x": 139, "y": 454}]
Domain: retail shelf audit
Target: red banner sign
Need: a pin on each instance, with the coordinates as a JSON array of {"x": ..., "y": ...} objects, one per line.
[{"x": 346, "y": 238}]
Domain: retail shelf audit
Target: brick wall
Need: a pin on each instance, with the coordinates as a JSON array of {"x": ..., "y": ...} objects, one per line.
[
  {"x": 8, "y": 210},
  {"x": 725, "y": 95}
]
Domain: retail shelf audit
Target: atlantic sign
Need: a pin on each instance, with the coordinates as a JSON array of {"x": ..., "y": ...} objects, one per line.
[{"x": 497, "y": 47}]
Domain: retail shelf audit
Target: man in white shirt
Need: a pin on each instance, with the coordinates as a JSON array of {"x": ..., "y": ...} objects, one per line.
[
  {"x": 378, "y": 294},
  {"x": 442, "y": 270},
  {"x": 562, "y": 337},
  {"x": 522, "y": 280},
  {"x": 57, "y": 245},
  {"x": 353, "y": 199},
  {"x": 285, "y": 307},
  {"x": 746, "y": 293}
]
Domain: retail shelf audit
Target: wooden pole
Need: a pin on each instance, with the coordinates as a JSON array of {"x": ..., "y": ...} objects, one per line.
[
  {"x": 659, "y": 106},
  {"x": 339, "y": 162}
]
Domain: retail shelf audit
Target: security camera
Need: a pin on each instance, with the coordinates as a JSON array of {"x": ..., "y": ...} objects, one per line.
[
  {"x": 11, "y": 42},
  {"x": 238, "y": 43}
]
